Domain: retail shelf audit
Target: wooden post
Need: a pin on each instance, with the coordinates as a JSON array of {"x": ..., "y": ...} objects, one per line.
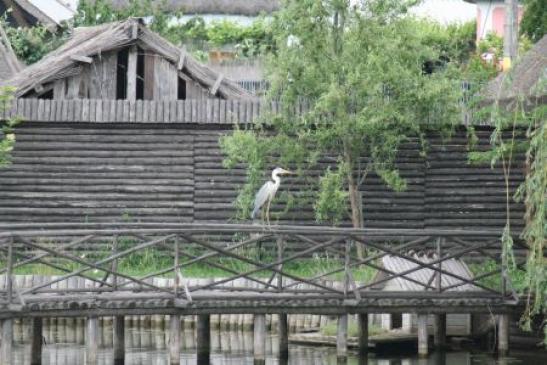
[
  {"x": 259, "y": 343},
  {"x": 283, "y": 332},
  {"x": 439, "y": 337},
  {"x": 174, "y": 339},
  {"x": 422, "y": 335},
  {"x": 203, "y": 338},
  {"x": 9, "y": 277},
  {"x": 363, "y": 333},
  {"x": 342, "y": 338},
  {"x": 36, "y": 341},
  {"x": 132, "y": 74},
  {"x": 6, "y": 347},
  {"x": 503, "y": 334},
  {"x": 119, "y": 339},
  {"x": 92, "y": 340}
]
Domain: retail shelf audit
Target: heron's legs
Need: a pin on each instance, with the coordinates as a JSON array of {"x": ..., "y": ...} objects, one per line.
[{"x": 268, "y": 211}]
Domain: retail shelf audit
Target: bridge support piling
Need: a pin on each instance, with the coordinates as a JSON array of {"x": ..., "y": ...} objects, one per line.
[
  {"x": 203, "y": 338},
  {"x": 283, "y": 332},
  {"x": 92, "y": 340},
  {"x": 422, "y": 335},
  {"x": 36, "y": 341},
  {"x": 342, "y": 339},
  {"x": 259, "y": 343},
  {"x": 503, "y": 334},
  {"x": 119, "y": 339},
  {"x": 363, "y": 333},
  {"x": 439, "y": 337},
  {"x": 6, "y": 347},
  {"x": 174, "y": 339}
]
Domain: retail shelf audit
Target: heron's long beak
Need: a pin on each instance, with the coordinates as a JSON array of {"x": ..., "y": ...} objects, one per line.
[{"x": 287, "y": 172}]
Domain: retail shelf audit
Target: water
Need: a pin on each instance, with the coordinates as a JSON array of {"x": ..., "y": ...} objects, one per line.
[{"x": 148, "y": 346}]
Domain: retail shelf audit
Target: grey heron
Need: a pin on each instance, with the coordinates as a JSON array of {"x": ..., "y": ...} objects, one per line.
[{"x": 267, "y": 192}]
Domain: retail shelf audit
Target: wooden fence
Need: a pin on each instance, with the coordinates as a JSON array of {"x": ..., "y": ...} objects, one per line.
[{"x": 210, "y": 111}]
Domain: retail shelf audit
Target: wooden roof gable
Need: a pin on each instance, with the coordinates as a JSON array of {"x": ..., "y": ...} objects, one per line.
[{"x": 90, "y": 42}]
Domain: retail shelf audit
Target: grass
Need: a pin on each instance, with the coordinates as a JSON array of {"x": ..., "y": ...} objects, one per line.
[
  {"x": 151, "y": 260},
  {"x": 494, "y": 281},
  {"x": 331, "y": 329}
]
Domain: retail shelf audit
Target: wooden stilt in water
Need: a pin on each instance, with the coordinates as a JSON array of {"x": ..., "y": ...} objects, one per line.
[
  {"x": 203, "y": 339},
  {"x": 92, "y": 340},
  {"x": 6, "y": 347},
  {"x": 283, "y": 332},
  {"x": 36, "y": 341},
  {"x": 503, "y": 334},
  {"x": 118, "y": 340},
  {"x": 174, "y": 339},
  {"x": 342, "y": 339},
  {"x": 363, "y": 333},
  {"x": 439, "y": 337},
  {"x": 259, "y": 344},
  {"x": 422, "y": 335}
]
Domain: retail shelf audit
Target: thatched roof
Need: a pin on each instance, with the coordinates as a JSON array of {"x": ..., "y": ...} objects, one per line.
[
  {"x": 424, "y": 276},
  {"x": 528, "y": 78},
  {"x": 9, "y": 65},
  {"x": 233, "y": 7},
  {"x": 47, "y": 12},
  {"x": 93, "y": 41}
]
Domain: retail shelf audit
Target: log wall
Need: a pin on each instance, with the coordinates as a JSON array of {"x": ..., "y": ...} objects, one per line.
[{"x": 102, "y": 160}]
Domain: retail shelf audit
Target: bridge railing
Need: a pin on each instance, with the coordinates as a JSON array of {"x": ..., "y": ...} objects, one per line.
[{"x": 272, "y": 260}]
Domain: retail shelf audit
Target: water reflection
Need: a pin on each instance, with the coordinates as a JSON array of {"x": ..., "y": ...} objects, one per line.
[{"x": 146, "y": 343}]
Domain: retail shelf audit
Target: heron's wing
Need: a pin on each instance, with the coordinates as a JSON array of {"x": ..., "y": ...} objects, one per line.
[{"x": 263, "y": 194}]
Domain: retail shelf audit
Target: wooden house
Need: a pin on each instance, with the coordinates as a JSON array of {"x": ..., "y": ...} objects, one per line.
[
  {"x": 456, "y": 324},
  {"x": 121, "y": 61}
]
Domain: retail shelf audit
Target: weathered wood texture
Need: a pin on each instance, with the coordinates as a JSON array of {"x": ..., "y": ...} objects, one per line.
[{"x": 173, "y": 173}]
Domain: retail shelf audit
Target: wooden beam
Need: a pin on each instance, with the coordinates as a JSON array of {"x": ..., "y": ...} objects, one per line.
[
  {"x": 203, "y": 329},
  {"x": 439, "y": 338},
  {"x": 283, "y": 333},
  {"x": 362, "y": 319},
  {"x": 422, "y": 335},
  {"x": 259, "y": 344},
  {"x": 503, "y": 334},
  {"x": 81, "y": 58},
  {"x": 92, "y": 340},
  {"x": 36, "y": 341},
  {"x": 6, "y": 346},
  {"x": 342, "y": 339},
  {"x": 174, "y": 339},
  {"x": 118, "y": 340},
  {"x": 217, "y": 84},
  {"x": 135, "y": 30},
  {"x": 182, "y": 58},
  {"x": 132, "y": 73}
]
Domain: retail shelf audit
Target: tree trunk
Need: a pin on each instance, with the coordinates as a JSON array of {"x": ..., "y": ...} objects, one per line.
[{"x": 356, "y": 204}]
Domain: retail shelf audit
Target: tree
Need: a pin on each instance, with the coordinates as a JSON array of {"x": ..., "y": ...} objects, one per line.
[
  {"x": 361, "y": 69},
  {"x": 534, "y": 20}
]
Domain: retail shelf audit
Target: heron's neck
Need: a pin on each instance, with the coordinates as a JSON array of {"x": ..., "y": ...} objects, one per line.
[{"x": 276, "y": 179}]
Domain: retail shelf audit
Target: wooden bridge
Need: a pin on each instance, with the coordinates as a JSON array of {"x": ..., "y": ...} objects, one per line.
[{"x": 98, "y": 256}]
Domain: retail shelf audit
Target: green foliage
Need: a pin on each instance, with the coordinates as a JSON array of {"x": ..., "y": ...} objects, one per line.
[
  {"x": 454, "y": 42},
  {"x": 31, "y": 44},
  {"x": 7, "y": 136},
  {"x": 332, "y": 201},
  {"x": 508, "y": 121},
  {"x": 534, "y": 20},
  {"x": 362, "y": 74}
]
